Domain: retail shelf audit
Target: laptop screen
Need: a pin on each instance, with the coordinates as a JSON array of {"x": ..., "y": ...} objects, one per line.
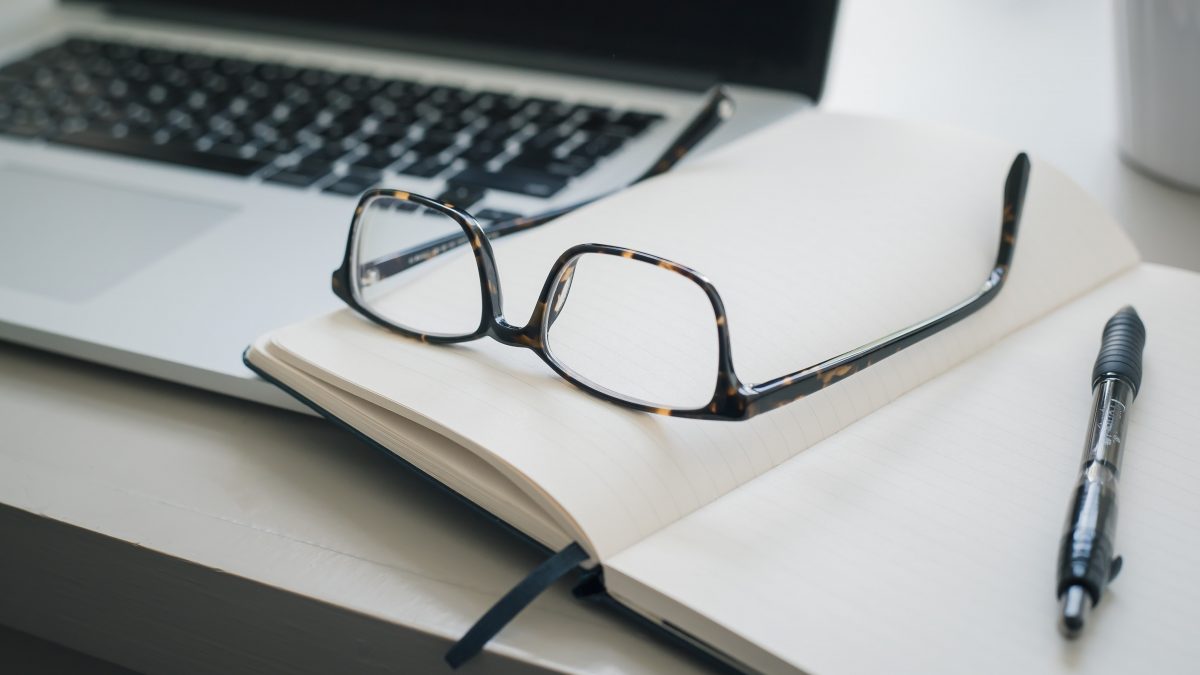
[{"x": 782, "y": 45}]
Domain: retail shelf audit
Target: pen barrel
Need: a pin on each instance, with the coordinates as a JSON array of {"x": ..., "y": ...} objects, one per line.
[{"x": 1086, "y": 552}]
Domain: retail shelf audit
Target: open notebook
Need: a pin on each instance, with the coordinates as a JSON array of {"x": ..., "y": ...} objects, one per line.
[{"x": 905, "y": 519}]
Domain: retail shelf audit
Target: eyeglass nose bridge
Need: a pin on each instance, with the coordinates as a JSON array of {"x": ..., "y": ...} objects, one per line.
[
  {"x": 515, "y": 336},
  {"x": 550, "y": 305}
]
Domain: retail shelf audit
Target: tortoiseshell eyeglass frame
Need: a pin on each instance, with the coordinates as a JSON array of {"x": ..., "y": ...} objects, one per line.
[{"x": 732, "y": 399}]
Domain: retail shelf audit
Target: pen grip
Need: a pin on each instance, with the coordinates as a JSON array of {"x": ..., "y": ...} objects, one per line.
[{"x": 1121, "y": 349}]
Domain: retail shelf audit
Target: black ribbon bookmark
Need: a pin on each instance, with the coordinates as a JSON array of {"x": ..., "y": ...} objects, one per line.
[{"x": 513, "y": 602}]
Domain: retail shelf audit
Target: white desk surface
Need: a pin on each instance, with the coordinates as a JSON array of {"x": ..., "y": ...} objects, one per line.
[
  {"x": 1039, "y": 74},
  {"x": 239, "y": 537}
]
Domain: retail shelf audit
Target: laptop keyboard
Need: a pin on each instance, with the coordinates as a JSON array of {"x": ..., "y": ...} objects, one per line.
[{"x": 304, "y": 127}]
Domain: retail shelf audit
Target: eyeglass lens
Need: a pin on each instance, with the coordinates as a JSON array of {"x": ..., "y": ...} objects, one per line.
[
  {"x": 640, "y": 331},
  {"x": 439, "y": 296}
]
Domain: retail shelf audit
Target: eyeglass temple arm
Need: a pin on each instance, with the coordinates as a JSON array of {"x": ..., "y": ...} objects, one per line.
[
  {"x": 797, "y": 385},
  {"x": 717, "y": 108}
]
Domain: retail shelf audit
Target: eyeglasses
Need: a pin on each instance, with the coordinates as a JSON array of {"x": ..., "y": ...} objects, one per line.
[{"x": 668, "y": 320}]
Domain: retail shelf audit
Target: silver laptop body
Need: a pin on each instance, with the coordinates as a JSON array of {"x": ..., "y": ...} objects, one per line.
[{"x": 170, "y": 269}]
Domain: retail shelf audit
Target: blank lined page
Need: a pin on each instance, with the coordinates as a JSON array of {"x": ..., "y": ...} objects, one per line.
[
  {"x": 923, "y": 538},
  {"x": 821, "y": 233}
]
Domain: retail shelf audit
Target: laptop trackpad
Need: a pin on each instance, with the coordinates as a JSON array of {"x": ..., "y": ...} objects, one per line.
[{"x": 71, "y": 238}]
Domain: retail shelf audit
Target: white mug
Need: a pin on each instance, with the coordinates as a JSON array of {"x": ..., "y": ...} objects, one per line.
[{"x": 1158, "y": 77}]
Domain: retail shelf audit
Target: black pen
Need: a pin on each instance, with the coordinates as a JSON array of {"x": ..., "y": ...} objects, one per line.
[{"x": 1085, "y": 559}]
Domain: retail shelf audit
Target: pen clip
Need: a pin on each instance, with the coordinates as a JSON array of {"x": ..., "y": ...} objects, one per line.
[{"x": 1115, "y": 568}]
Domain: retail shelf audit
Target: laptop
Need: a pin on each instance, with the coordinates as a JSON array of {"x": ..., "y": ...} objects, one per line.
[{"x": 177, "y": 176}]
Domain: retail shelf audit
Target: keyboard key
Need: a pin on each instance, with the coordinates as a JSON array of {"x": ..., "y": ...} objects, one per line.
[
  {"x": 283, "y": 145},
  {"x": 375, "y": 160},
  {"x": 175, "y": 154},
  {"x": 482, "y": 151},
  {"x": 353, "y": 184},
  {"x": 531, "y": 159},
  {"x": 433, "y": 144},
  {"x": 462, "y": 196},
  {"x": 591, "y": 119},
  {"x": 552, "y": 115},
  {"x": 450, "y": 124},
  {"x": 328, "y": 153},
  {"x": 599, "y": 146},
  {"x": 512, "y": 179},
  {"x": 548, "y": 162},
  {"x": 381, "y": 141},
  {"x": 220, "y": 148},
  {"x": 396, "y": 125},
  {"x": 547, "y": 139},
  {"x": 426, "y": 168},
  {"x": 499, "y": 132},
  {"x": 637, "y": 121}
]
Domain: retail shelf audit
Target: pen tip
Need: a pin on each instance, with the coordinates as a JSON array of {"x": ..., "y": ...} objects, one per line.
[{"x": 1076, "y": 603}]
